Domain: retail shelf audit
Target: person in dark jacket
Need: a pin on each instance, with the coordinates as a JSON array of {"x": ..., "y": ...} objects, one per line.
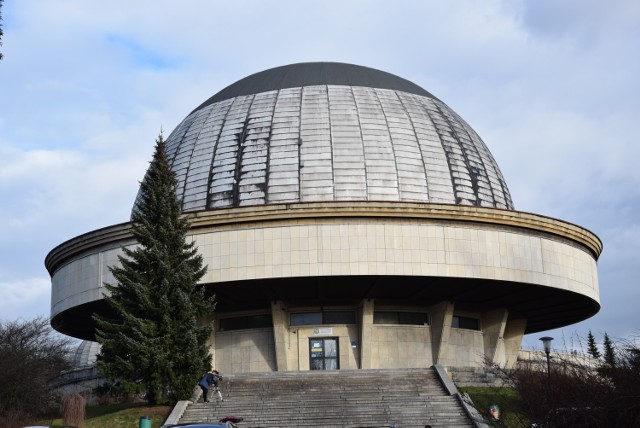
[{"x": 211, "y": 378}]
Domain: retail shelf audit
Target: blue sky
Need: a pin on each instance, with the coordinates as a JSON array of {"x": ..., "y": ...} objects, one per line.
[{"x": 551, "y": 86}]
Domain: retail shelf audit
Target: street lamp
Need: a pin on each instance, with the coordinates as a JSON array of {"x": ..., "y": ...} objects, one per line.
[{"x": 546, "y": 342}]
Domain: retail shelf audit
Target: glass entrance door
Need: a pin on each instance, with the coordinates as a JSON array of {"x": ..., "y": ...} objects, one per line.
[{"x": 323, "y": 354}]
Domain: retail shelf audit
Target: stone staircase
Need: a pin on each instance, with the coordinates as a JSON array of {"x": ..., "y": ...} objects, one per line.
[{"x": 344, "y": 398}]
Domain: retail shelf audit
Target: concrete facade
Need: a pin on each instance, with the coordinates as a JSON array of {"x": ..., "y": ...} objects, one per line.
[
  {"x": 349, "y": 219},
  {"x": 331, "y": 241}
]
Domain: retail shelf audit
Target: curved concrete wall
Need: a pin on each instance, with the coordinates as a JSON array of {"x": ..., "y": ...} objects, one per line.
[
  {"x": 426, "y": 240},
  {"x": 81, "y": 281},
  {"x": 402, "y": 247}
]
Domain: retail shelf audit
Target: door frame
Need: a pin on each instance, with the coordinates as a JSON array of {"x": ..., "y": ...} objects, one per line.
[{"x": 324, "y": 358}]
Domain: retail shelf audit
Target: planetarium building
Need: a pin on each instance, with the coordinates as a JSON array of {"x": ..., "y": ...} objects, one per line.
[{"x": 349, "y": 220}]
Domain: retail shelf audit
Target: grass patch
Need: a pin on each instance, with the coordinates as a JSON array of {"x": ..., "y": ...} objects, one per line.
[
  {"x": 507, "y": 398},
  {"x": 122, "y": 415}
]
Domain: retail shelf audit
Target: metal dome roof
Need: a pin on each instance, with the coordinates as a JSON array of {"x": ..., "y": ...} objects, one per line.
[
  {"x": 86, "y": 354},
  {"x": 330, "y": 132},
  {"x": 315, "y": 73}
]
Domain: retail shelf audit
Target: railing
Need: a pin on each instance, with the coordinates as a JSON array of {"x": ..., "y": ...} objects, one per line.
[{"x": 534, "y": 356}]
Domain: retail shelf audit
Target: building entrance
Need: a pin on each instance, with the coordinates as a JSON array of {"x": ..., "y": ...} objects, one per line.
[{"x": 323, "y": 353}]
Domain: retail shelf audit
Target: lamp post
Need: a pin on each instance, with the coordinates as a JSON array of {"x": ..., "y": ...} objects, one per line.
[{"x": 546, "y": 342}]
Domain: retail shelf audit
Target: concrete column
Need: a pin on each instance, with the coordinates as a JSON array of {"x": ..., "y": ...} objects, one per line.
[
  {"x": 441, "y": 317},
  {"x": 366, "y": 333},
  {"x": 211, "y": 341},
  {"x": 280, "y": 332},
  {"x": 493, "y": 327},
  {"x": 513, "y": 334}
]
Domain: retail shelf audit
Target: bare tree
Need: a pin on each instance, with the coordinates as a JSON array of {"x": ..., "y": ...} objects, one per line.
[
  {"x": 578, "y": 393},
  {"x": 31, "y": 354}
]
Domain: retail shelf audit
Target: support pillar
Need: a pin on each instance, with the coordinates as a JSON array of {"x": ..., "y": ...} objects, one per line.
[
  {"x": 513, "y": 334},
  {"x": 493, "y": 328},
  {"x": 280, "y": 332},
  {"x": 211, "y": 341},
  {"x": 366, "y": 333},
  {"x": 441, "y": 317}
]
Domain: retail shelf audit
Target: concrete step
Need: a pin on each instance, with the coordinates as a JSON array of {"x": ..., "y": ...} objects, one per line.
[{"x": 346, "y": 398}]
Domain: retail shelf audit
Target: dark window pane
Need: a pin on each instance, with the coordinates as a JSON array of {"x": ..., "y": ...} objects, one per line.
[
  {"x": 306, "y": 318},
  {"x": 385, "y": 318},
  {"x": 259, "y": 321},
  {"x": 412, "y": 318},
  {"x": 470, "y": 323},
  {"x": 242, "y": 323},
  {"x": 227, "y": 324},
  {"x": 404, "y": 318},
  {"x": 465, "y": 322},
  {"x": 340, "y": 317},
  {"x": 319, "y": 318}
]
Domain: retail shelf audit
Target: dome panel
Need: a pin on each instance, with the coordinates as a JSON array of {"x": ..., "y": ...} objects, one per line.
[
  {"x": 86, "y": 354},
  {"x": 336, "y": 139}
]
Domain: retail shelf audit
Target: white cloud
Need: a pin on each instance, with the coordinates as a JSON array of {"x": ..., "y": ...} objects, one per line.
[
  {"x": 25, "y": 298},
  {"x": 550, "y": 86}
]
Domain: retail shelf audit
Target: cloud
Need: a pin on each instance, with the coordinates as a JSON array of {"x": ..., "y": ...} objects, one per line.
[
  {"x": 25, "y": 296},
  {"x": 50, "y": 196},
  {"x": 580, "y": 20},
  {"x": 550, "y": 86}
]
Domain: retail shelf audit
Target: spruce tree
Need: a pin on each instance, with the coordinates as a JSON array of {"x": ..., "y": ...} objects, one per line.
[
  {"x": 609, "y": 351},
  {"x": 592, "y": 347},
  {"x": 153, "y": 343}
]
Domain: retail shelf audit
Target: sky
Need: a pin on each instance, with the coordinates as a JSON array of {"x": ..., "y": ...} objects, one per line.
[{"x": 551, "y": 86}]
